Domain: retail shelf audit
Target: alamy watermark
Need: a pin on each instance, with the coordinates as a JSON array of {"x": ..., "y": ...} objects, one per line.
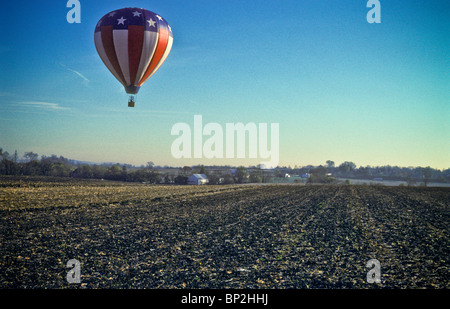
[
  {"x": 74, "y": 274},
  {"x": 374, "y": 274},
  {"x": 228, "y": 142},
  {"x": 74, "y": 14},
  {"x": 374, "y": 14}
]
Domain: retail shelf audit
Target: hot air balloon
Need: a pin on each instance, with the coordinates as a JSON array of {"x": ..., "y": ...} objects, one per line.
[{"x": 133, "y": 44}]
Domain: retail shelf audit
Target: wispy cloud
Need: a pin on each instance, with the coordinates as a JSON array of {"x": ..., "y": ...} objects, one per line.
[
  {"x": 85, "y": 79},
  {"x": 105, "y": 112},
  {"x": 80, "y": 75},
  {"x": 43, "y": 105}
]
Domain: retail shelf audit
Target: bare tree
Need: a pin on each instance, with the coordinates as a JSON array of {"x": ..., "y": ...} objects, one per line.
[{"x": 31, "y": 156}]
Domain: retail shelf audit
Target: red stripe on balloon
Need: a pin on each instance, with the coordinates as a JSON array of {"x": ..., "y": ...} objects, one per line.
[
  {"x": 135, "y": 44},
  {"x": 108, "y": 45},
  {"x": 159, "y": 52}
]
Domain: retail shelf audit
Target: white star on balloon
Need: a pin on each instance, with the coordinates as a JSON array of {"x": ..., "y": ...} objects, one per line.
[
  {"x": 112, "y": 14},
  {"x": 137, "y": 14},
  {"x": 151, "y": 22},
  {"x": 159, "y": 17},
  {"x": 121, "y": 21}
]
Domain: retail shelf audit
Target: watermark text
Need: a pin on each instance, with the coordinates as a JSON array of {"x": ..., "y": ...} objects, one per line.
[{"x": 236, "y": 140}]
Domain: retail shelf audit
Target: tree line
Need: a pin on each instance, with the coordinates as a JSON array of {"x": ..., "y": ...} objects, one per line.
[
  {"x": 412, "y": 175},
  {"x": 58, "y": 166}
]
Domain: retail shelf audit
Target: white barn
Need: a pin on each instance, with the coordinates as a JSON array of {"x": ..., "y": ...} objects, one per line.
[{"x": 197, "y": 179}]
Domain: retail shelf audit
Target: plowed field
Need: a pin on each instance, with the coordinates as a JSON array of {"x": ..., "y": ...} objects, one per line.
[{"x": 247, "y": 236}]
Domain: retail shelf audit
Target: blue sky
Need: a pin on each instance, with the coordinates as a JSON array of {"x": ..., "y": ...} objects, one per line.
[{"x": 340, "y": 88}]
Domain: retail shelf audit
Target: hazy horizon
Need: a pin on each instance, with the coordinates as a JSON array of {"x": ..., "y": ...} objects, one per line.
[{"x": 22, "y": 159}]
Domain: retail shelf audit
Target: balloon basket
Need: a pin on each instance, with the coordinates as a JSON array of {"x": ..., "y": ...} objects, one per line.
[{"x": 131, "y": 101}]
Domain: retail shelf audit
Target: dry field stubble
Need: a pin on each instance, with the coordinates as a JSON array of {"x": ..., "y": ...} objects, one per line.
[{"x": 250, "y": 236}]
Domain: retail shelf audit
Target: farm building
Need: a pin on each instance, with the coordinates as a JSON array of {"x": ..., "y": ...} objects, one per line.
[{"x": 197, "y": 179}]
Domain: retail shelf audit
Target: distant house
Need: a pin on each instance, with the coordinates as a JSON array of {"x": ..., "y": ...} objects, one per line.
[{"x": 197, "y": 179}]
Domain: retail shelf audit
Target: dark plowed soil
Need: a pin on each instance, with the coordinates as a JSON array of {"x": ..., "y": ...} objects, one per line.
[{"x": 248, "y": 236}]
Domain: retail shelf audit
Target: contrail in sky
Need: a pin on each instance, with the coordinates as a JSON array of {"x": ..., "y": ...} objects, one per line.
[{"x": 76, "y": 72}]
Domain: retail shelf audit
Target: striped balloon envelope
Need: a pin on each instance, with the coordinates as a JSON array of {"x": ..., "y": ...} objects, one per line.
[{"x": 133, "y": 44}]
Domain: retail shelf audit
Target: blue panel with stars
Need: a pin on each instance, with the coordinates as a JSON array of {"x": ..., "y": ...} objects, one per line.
[{"x": 122, "y": 18}]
